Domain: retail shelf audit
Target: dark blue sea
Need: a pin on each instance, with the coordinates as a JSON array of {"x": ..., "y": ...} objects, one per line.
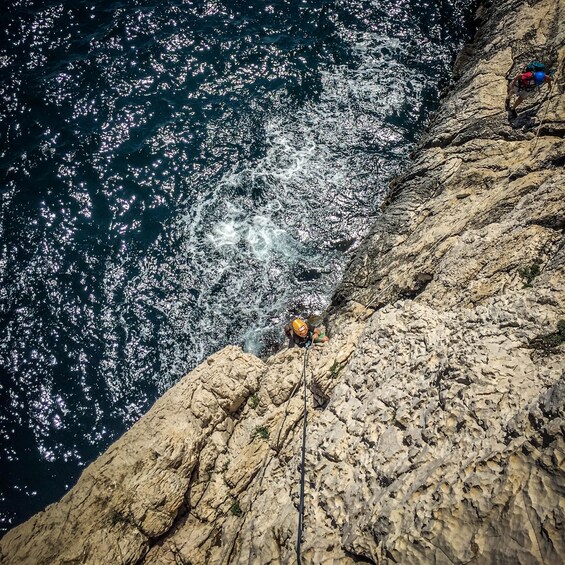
[{"x": 177, "y": 176}]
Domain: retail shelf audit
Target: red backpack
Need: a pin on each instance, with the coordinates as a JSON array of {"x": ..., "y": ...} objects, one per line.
[{"x": 527, "y": 81}]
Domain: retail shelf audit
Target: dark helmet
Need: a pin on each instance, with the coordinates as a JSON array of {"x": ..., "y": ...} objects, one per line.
[{"x": 539, "y": 77}]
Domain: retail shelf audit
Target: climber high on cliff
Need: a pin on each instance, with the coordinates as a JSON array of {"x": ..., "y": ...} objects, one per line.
[
  {"x": 526, "y": 84},
  {"x": 301, "y": 334}
]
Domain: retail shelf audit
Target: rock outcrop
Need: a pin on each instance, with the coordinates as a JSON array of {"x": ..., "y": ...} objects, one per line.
[{"x": 437, "y": 410}]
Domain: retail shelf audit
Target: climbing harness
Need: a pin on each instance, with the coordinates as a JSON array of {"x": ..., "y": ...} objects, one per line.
[
  {"x": 526, "y": 82},
  {"x": 303, "y": 457}
]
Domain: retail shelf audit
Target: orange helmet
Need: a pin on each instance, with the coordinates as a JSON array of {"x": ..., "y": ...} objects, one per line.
[{"x": 300, "y": 327}]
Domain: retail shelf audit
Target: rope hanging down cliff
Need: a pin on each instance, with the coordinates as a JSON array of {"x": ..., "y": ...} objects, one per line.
[
  {"x": 227, "y": 555},
  {"x": 303, "y": 457}
]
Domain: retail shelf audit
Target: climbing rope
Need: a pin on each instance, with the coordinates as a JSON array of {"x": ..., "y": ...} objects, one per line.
[
  {"x": 302, "y": 471},
  {"x": 226, "y": 557},
  {"x": 542, "y": 120}
]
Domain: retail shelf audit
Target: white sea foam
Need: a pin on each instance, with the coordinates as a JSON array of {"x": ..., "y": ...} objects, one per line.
[
  {"x": 267, "y": 238},
  {"x": 225, "y": 233}
]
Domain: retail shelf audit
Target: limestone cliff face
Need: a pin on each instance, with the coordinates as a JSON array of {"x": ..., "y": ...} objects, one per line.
[{"x": 436, "y": 412}]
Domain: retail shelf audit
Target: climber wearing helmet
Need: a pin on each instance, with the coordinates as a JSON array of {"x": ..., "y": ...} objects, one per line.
[
  {"x": 524, "y": 86},
  {"x": 299, "y": 333}
]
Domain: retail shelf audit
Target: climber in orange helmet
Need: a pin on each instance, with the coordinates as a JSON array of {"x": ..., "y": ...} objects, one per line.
[{"x": 299, "y": 333}]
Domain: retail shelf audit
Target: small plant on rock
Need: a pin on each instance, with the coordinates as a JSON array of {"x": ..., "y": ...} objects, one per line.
[
  {"x": 236, "y": 510},
  {"x": 529, "y": 273},
  {"x": 116, "y": 517},
  {"x": 335, "y": 369},
  {"x": 254, "y": 401},
  {"x": 262, "y": 432},
  {"x": 552, "y": 340}
]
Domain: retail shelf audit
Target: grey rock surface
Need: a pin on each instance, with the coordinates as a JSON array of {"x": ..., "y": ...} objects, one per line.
[{"x": 436, "y": 412}]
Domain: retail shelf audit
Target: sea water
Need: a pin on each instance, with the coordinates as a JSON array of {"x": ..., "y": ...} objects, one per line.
[{"x": 178, "y": 176}]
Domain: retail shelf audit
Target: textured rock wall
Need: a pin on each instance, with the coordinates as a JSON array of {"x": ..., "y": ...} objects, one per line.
[
  {"x": 483, "y": 197},
  {"x": 436, "y": 412}
]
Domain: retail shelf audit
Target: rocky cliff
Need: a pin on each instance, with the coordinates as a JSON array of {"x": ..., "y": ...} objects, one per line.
[{"x": 435, "y": 413}]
